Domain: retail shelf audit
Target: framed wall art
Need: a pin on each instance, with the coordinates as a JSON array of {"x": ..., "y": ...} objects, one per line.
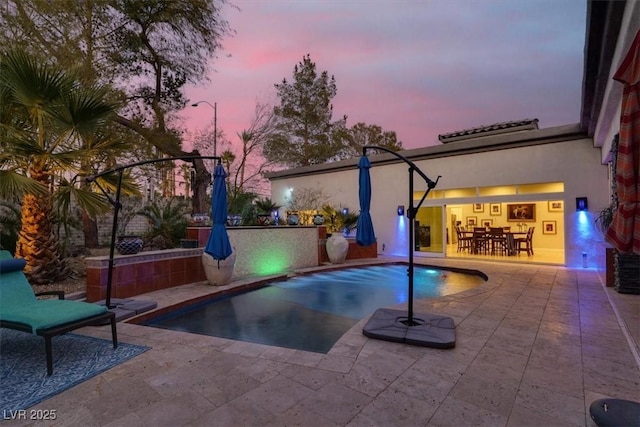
[
  {"x": 478, "y": 207},
  {"x": 525, "y": 212},
  {"x": 487, "y": 223},
  {"x": 472, "y": 221},
  {"x": 556, "y": 206},
  {"x": 495, "y": 209},
  {"x": 549, "y": 227}
]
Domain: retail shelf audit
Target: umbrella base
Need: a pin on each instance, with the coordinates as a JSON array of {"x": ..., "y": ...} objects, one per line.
[
  {"x": 426, "y": 330},
  {"x": 615, "y": 412}
]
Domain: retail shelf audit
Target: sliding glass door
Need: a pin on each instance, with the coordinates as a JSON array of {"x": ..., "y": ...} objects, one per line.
[{"x": 430, "y": 232}]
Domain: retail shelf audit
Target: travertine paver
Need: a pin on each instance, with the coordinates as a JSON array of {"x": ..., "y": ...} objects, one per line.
[{"x": 535, "y": 346}]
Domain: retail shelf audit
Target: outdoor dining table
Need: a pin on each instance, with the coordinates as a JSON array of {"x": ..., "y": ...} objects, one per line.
[{"x": 481, "y": 238}]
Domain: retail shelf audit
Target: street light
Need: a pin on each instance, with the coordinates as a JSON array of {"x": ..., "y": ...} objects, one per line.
[{"x": 215, "y": 123}]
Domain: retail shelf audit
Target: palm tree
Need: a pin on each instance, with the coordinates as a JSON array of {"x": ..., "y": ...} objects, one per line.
[{"x": 49, "y": 125}]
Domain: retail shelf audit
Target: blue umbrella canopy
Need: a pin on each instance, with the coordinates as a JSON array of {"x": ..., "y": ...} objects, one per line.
[
  {"x": 364, "y": 234},
  {"x": 218, "y": 245}
]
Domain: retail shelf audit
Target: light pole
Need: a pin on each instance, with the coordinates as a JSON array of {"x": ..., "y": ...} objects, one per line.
[{"x": 215, "y": 123}]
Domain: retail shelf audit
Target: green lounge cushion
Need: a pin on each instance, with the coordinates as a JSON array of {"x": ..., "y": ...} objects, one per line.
[
  {"x": 19, "y": 304},
  {"x": 11, "y": 265},
  {"x": 43, "y": 314},
  {"x": 15, "y": 290}
]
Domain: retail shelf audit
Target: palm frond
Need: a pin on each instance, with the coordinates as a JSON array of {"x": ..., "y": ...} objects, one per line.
[
  {"x": 14, "y": 184},
  {"x": 30, "y": 83},
  {"x": 109, "y": 182},
  {"x": 92, "y": 203},
  {"x": 83, "y": 109}
]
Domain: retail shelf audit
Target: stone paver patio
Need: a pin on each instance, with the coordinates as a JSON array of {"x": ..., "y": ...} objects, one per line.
[{"x": 535, "y": 346}]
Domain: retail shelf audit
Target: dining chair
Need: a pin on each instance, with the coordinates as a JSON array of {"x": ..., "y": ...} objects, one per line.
[
  {"x": 525, "y": 244},
  {"x": 480, "y": 240},
  {"x": 464, "y": 241},
  {"x": 498, "y": 240}
]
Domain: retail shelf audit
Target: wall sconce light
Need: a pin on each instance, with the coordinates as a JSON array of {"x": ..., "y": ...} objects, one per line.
[
  {"x": 400, "y": 210},
  {"x": 582, "y": 204},
  {"x": 345, "y": 211}
]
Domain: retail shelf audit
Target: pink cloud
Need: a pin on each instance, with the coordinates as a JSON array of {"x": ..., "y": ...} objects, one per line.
[{"x": 418, "y": 68}]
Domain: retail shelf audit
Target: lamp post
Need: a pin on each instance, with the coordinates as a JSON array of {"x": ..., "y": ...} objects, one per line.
[{"x": 215, "y": 122}]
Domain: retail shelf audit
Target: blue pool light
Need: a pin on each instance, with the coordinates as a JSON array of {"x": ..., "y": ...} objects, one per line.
[{"x": 582, "y": 204}]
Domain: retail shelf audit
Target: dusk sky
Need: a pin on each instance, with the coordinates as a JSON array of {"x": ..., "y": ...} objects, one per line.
[{"x": 419, "y": 68}]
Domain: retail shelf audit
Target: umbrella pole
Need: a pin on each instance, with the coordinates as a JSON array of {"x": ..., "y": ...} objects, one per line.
[
  {"x": 117, "y": 206},
  {"x": 411, "y": 214},
  {"x": 428, "y": 330},
  {"x": 114, "y": 229}
]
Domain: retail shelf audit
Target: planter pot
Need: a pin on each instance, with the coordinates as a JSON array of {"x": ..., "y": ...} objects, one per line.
[
  {"x": 218, "y": 272},
  {"x": 337, "y": 248},
  {"x": 263, "y": 219},
  {"x": 234, "y": 220},
  {"x": 129, "y": 245},
  {"x": 199, "y": 220},
  {"x": 627, "y": 273},
  {"x": 293, "y": 219}
]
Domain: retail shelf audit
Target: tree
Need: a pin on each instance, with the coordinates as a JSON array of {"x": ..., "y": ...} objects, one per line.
[
  {"x": 252, "y": 164},
  {"x": 51, "y": 124},
  {"x": 362, "y": 134},
  {"x": 246, "y": 165},
  {"x": 304, "y": 134},
  {"x": 148, "y": 49}
]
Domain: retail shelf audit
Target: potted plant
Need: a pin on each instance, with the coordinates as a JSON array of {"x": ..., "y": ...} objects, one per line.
[
  {"x": 341, "y": 222},
  {"x": 349, "y": 222},
  {"x": 239, "y": 205},
  {"x": 622, "y": 270},
  {"x": 167, "y": 223},
  {"x": 602, "y": 220},
  {"x": 265, "y": 208}
]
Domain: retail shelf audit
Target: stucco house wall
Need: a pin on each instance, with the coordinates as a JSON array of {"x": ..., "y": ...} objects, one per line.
[{"x": 560, "y": 154}]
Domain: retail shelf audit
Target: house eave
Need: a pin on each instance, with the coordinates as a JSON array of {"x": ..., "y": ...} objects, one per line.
[{"x": 482, "y": 143}]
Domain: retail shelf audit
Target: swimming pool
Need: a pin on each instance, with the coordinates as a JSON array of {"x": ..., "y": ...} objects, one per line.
[{"x": 321, "y": 305}]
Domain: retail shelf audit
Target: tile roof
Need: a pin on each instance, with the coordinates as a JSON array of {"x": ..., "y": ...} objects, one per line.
[{"x": 503, "y": 127}]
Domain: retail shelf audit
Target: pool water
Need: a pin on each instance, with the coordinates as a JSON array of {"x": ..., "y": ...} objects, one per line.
[{"x": 311, "y": 312}]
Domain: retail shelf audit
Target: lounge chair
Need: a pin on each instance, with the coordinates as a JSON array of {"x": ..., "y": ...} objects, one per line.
[{"x": 20, "y": 308}]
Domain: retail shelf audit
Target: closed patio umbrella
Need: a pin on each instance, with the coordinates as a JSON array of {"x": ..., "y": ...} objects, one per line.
[
  {"x": 218, "y": 245},
  {"x": 624, "y": 231},
  {"x": 364, "y": 234}
]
